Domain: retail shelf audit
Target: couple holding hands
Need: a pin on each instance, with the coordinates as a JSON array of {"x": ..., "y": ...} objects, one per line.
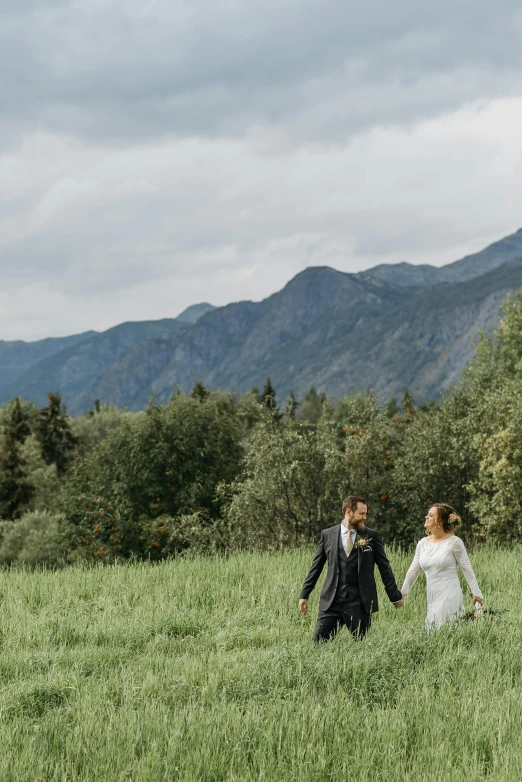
[{"x": 349, "y": 594}]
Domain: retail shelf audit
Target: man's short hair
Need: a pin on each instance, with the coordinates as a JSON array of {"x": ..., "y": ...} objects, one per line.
[{"x": 351, "y": 503}]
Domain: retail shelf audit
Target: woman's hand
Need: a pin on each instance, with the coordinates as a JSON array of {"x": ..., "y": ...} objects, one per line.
[{"x": 478, "y": 600}]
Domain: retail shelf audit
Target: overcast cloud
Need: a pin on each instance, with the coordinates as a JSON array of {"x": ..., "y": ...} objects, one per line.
[{"x": 156, "y": 154}]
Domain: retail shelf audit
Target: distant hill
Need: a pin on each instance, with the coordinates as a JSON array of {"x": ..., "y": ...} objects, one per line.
[
  {"x": 68, "y": 365},
  {"x": 391, "y": 327},
  {"x": 466, "y": 269},
  {"x": 333, "y": 330},
  {"x": 18, "y": 356},
  {"x": 193, "y": 314}
]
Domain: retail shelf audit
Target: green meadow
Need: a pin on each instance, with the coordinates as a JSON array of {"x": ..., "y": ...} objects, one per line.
[{"x": 203, "y": 669}]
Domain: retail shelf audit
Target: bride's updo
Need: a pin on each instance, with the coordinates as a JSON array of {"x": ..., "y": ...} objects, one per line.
[{"x": 447, "y": 516}]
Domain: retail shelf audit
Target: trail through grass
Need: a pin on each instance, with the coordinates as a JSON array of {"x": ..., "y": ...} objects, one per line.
[{"x": 204, "y": 670}]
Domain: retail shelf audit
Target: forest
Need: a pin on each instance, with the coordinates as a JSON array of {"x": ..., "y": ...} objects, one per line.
[{"x": 212, "y": 472}]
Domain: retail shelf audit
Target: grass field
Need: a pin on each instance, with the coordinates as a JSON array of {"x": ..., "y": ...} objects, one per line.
[{"x": 204, "y": 670}]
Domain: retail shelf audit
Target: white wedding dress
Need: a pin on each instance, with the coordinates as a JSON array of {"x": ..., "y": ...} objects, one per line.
[{"x": 439, "y": 563}]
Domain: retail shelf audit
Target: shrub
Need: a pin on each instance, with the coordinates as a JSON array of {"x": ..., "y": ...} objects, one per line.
[
  {"x": 163, "y": 463},
  {"x": 38, "y": 538}
]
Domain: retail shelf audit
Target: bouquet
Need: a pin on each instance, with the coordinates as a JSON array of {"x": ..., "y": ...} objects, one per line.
[{"x": 481, "y": 613}]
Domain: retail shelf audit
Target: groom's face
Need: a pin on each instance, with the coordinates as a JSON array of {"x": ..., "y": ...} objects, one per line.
[{"x": 356, "y": 518}]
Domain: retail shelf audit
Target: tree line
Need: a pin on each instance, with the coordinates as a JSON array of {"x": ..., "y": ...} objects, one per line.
[{"x": 210, "y": 471}]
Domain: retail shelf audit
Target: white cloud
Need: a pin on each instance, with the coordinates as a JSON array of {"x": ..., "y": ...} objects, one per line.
[
  {"x": 160, "y": 154},
  {"x": 142, "y": 231}
]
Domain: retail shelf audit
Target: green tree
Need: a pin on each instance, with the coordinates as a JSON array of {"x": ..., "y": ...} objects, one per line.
[
  {"x": 160, "y": 464},
  {"x": 200, "y": 391},
  {"x": 284, "y": 496},
  {"x": 17, "y": 422},
  {"x": 268, "y": 397},
  {"x": 408, "y": 403},
  {"x": 292, "y": 406},
  {"x": 435, "y": 463},
  {"x": 392, "y": 408},
  {"x": 16, "y": 489},
  {"x": 54, "y": 433},
  {"x": 312, "y": 406}
]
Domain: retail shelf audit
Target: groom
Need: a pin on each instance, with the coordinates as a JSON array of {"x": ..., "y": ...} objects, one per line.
[{"x": 349, "y": 595}]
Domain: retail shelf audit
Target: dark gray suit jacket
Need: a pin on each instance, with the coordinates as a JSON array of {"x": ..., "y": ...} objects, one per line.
[{"x": 328, "y": 552}]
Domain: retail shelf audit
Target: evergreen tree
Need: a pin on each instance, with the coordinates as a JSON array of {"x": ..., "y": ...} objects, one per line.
[
  {"x": 268, "y": 399},
  {"x": 392, "y": 408},
  {"x": 292, "y": 406},
  {"x": 17, "y": 424},
  {"x": 54, "y": 433},
  {"x": 408, "y": 402},
  {"x": 15, "y": 489},
  {"x": 200, "y": 391},
  {"x": 312, "y": 406}
]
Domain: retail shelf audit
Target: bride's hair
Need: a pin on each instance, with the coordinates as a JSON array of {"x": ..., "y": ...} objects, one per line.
[{"x": 447, "y": 516}]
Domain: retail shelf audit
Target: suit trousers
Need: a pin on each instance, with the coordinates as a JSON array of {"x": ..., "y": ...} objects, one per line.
[{"x": 350, "y": 613}]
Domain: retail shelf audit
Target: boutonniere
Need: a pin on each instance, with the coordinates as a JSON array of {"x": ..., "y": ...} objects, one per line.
[{"x": 364, "y": 544}]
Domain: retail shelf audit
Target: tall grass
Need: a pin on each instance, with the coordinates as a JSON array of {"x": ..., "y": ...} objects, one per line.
[{"x": 204, "y": 670}]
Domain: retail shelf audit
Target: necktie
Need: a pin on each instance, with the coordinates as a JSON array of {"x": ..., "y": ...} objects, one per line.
[{"x": 349, "y": 543}]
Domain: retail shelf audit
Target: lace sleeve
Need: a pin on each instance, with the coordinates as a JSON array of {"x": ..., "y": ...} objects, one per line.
[
  {"x": 413, "y": 571},
  {"x": 461, "y": 555}
]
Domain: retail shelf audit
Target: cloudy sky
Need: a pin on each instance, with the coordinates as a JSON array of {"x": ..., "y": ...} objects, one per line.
[{"x": 158, "y": 153}]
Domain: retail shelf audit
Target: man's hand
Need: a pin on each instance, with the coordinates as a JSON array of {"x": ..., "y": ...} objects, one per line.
[
  {"x": 400, "y": 602},
  {"x": 303, "y": 606}
]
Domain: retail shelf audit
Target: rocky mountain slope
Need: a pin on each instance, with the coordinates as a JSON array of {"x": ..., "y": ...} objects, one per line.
[
  {"x": 17, "y": 357},
  {"x": 69, "y": 364},
  {"x": 388, "y": 328},
  {"x": 325, "y": 328},
  {"x": 466, "y": 269}
]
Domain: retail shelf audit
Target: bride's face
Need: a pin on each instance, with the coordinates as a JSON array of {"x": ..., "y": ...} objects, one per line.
[{"x": 431, "y": 520}]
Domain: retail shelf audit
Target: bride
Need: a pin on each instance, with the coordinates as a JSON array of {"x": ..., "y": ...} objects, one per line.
[{"x": 437, "y": 555}]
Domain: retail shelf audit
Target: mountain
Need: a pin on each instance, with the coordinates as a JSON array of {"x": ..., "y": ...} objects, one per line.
[
  {"x": 193, "y": 313},
  {"x": 466, "y": 269},
  {"x": 391, "y": 327},
  {"x": 18, "y": 356},
  {"x": 326, "y": 328},
  {"x": 68, "y": 365}
]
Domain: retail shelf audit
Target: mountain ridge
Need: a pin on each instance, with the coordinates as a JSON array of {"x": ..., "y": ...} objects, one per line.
[
  {"x": 341, "y": 336},
  {"x": 314, "y": 331}
]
